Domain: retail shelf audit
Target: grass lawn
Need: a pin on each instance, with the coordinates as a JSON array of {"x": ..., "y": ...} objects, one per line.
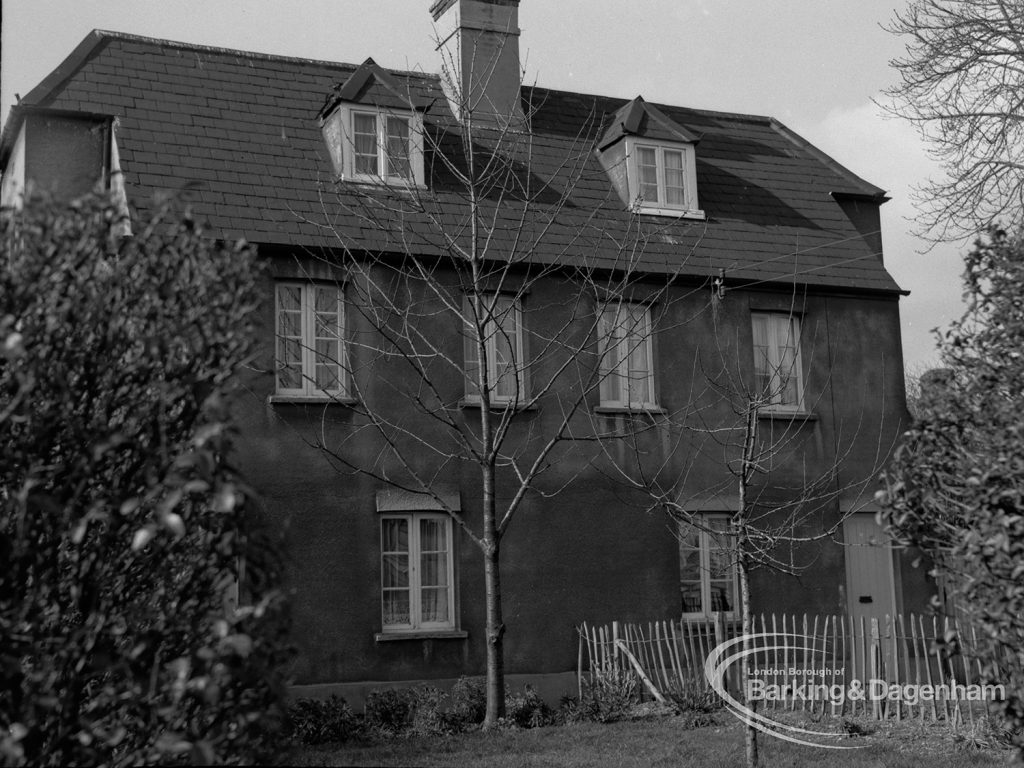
[{"x": 664, "y": 741}]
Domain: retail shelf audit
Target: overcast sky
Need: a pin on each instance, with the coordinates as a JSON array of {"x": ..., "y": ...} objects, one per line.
[{"x": 813, "y": 64}]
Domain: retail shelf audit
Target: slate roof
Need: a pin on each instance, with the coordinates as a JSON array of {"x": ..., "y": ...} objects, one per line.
[{"x": 244, "y": 128}]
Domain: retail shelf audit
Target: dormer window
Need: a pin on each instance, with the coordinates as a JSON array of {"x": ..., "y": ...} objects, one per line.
[
  {"x": 661, "y": 177},
  {"x": 373, "y": 131},
  {"x": 662, "y": 181},
  {"x": 659, "y": 157},
  {"x": 375, "y": 145}
]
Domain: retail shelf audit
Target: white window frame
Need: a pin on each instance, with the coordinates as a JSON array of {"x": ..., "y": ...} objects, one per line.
[
  {"x": 781, "y": 326},
  {"x": 339, "y": 133},
  {"x": 704, "y": 546},
  {"x": 416, "y": 624},
  {"x": 690, "y": 207},
  {"x": 616, "y": 332},
  {"x": 491, "y": 350},
  {"x": 308, "y": 342}
]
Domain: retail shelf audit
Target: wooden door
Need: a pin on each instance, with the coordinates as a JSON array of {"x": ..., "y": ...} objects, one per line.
[{"x": 870, "y": 583}]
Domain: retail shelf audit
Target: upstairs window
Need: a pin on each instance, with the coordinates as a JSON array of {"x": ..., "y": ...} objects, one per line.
[
  {"x": 707, "y": 568},
  {"x": 662, "y": 178},
  {"x": 503, "y": 347},
  {"x": 311, "y": 349},
  {"x": 777, "y": 366},
  {"x": 375, "y": 145},
  {"x": 627, "y": 356}
]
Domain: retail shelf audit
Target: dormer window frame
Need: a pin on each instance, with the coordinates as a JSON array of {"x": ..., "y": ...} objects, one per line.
[
  {"x": 635, "y": 145},
  {"x": 345, "y": 116}
]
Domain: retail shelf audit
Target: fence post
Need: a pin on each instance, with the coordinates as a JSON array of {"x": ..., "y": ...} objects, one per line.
[
  {"x": 615, "y": 646},
  {"x": 876, "y": 708}
]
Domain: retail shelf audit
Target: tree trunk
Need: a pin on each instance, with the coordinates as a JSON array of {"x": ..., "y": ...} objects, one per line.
[
  {"x": 495, "y": 633},
  {"x": 495, "y": 630},
  {"x": 751, "y": 732},
  {"x": 747, "y": 469}
]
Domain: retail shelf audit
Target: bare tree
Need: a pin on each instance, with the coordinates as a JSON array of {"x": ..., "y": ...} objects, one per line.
[
  {"x": 482, "y": 329},
  {"x": 962, "y": 85},
  {"x": 776, "y": 518}
]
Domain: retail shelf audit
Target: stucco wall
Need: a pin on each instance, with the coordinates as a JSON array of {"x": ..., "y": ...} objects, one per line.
[{"x": 594, "y": 551}]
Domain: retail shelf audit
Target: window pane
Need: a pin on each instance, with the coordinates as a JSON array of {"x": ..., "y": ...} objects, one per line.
[
  {"x": 364, "y": 129},
  {"x": 398, "y": 148},
  {"x": 289, "y": 297},
  {"x": 434, "y": 570},
  {"x": 434, "y": 604},
  {"x": 395, "y": 536},
  {"x": 693, "y": 602},
  {"x": 647, "y": 167},
  {"x": 289, "y": 337},
  {"x": 504, "y": 347},
  {"x": 608, "y": 349},
  {"x": 396, "y": 607},
  {"x": 433, "y": 535},
  {"x": 395, "y": 571},
  {"x": 289, "y": 377},
  {"x": 721, "y": 596},
  {"x": 674, "y": 186},
  {"x": 639, "y": 371}
]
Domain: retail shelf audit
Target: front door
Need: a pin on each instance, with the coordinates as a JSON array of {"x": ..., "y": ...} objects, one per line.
[{"x": 870, "y": 585}]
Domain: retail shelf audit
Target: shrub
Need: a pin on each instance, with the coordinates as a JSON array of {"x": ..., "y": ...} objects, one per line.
[
  {"x": 429, "y": 712},
  {"x": 468, "y": 705},
  {"x": 527, "y": 709},
  {"x": 122, "y": 522},
  {"x": 697, "y": 698},
  {"x": 315, "y": 721},
  {"x": 607, "y": 698},
  {"x": 390, "y": 709},
  {"x": 955, "y": 486}
]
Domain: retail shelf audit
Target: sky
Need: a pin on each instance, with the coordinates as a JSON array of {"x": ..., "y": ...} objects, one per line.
[{"x": 815, "y": 65}]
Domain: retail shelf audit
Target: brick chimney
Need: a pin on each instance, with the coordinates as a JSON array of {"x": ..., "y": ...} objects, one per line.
[{"x": 479, "y": 45}]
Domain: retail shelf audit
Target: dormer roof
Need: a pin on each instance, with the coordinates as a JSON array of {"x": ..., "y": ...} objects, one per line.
[
  {"x": 638, "y": 118},
  {"x": 372, "y": 85}
]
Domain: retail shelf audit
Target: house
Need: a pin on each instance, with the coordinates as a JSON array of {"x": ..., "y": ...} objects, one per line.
[{"x": 643, "y": 262}]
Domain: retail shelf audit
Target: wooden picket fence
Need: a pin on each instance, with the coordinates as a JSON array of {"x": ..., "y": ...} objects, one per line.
[{"x": 668, "y": 657}]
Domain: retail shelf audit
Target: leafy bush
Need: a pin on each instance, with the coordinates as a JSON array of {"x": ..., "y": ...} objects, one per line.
[
  {"x": 605, "y": 699},
  {"x": 955, "y": 488},
  {"x": 468, "y": 705},
  {"x": 429, "y": 712},
  {"x": 315, "y": 721},
  {"x": 122, "y": 522},
  {"x": 527, "y": 709},
  {"x": 391, "y": 709},
  {"x": 697, "y": 698}
]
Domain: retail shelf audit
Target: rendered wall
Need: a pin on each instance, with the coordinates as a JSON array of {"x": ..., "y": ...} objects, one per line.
[{"x": 594, "y": 551}]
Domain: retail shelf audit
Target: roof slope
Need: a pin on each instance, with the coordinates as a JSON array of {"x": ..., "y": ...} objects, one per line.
[{"x": 243, "y": 127}]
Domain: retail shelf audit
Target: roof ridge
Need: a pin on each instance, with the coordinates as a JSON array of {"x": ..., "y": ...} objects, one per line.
[
  {"x": 764, "y": 119},
  {"x": 107, "y": 33}
]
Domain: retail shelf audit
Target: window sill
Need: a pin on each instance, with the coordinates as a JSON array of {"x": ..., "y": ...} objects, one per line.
[
  {"x": 451, "y": 634},
  {"x": 677, "y": 213},
  {"x": 309, "y": 400},
  {"x": 787, "y": 415},
  {"x": 396, "y": 184},
  {"x": 652, "y": 410},
  {"x": 464, "y": 403}
]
